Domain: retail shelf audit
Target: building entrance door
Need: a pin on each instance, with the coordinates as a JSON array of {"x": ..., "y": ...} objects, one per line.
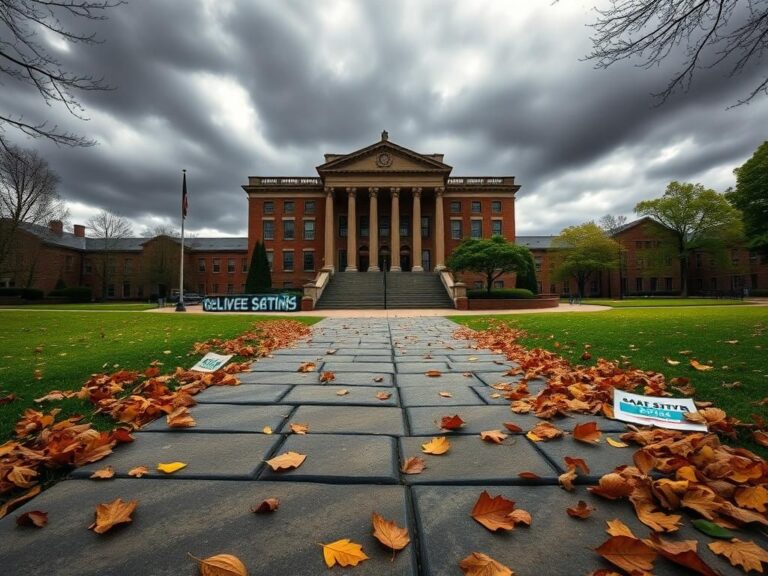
[
  {"x": 384, "y": 259},
  {"x": 405, "y": 259},
  {"x": 363, "y": 259}
]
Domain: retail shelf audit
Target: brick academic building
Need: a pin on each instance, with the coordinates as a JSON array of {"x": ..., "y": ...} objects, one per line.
[{"x": 383, "y": 207}]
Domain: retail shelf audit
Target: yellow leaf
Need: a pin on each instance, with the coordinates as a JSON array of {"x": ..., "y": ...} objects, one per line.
[
  {"x": 298, "y": 428},
  {"x": 436, "y": 446},
  {"x": 389, "y": 533},
  {"x": 221, "y": 565},
  {"x": 672, "y": 362},
  {"x": 616, "y": 443},
  {"x": 342, "y": 392},
  {"x": 696, "y": 365},
  {"x": 171, "y": 467},
  {"x": 748, "y": 555},
  {"x": 286, "y": 461},
  {"x": 266, "y": 430},
  {"x": 343, "y": 552}
]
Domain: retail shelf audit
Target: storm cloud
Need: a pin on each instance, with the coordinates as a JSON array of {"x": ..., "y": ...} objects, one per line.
[{"x": 231, "y": 89}]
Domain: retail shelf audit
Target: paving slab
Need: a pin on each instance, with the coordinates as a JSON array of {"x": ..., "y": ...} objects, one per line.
[
  {"x": 280, "y": 365},
  {"x": 345, "y": 459},
  {"x": 491, "y": 395},
  {"x": 175, "y": 518},
  {"x": 473, "y": 461},
  {"x": 383, "y": 350},
  {"x": 267, "y": 394},
  {"x": 421, "y": 420},
  {"x": 378, "y": 367},
  {"x": 303, "y": 351},
  {"x": 419, "y": 358},
  {"x": 228, "y": 418},
  {"x": 313, "y": 378},
  {"x": 480, "y": 356},
  {"x": 430, "y": 396},
  {"x": 380, "y": 420},
  {"x": 211, "y": 456},
  {"x": 328, "y": 394},
  {"x": 555, "y": 544},
  {"x": 421, "y": 367},
  {"x": 449, "y": 379},
  {"x": 500, "y": 368}
]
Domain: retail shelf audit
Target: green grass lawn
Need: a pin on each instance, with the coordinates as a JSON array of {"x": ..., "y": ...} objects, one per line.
[
  {"x": 646, "y": 337},
  {"x": 658, "y": 302},
  {"x": 110, "y": 306},
  {"x": 76, "y": 344}
]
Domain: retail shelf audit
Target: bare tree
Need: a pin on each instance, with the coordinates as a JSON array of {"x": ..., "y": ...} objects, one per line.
[
  {"x": 27, "y": 194},
  {"x": 705, "y": 33},
  {"x": 109, "y": 229},
  {"x": 26, "y": 60},
  {"x": 161, "y": 230},
  {"x": 611, "y": 222}
]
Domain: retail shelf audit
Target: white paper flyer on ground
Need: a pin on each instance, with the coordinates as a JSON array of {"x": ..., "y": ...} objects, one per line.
[
  {"x": 211, "y": 362},
  {"x": 655, "y": 411}
]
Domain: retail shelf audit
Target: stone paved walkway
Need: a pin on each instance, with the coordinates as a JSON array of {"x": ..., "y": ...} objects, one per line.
[{"x": 354, "y": 450}]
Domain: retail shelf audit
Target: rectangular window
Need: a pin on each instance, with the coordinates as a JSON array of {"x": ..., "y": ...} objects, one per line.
[
  {"x": 342, "y": 225},
  {"x": 309, "y": 261},
  {"x": 230, "y": 265},
  {"x": 553, "y": 288},
  {"x": 667, "y": 284},
  {"x": 289, "y": 230},
  {"x": 217, "y": 265},
  {"x": 215, "y": 288},
  {"x": 426, "y": 260},
  {"x": 269, "y": 229},
  {"x": 455, "y": 207},
  {"x": 309, "y": 207},
  {"x": 537, "y": 263},
  {"x": 364, "y": 227},
  {"x": 289, "y": 207},
  {"x": 110, "y": 291},
  {"x": 269, "y": 207},
  {"x": 654, "y": 284},
  {"x": 244, "y": 265},
  {"x": 309, "y": 229},
  {"x": 713, "y": 283},
  {"x": 288, "y": 261},
  {"x": 455, "y": 229},
  {"x": 88, "y": 266},
  {"x": 126, "y": 289},
  {"x": 425, "y": 227},
  {"x": 201, "y": 264},
  {"x": 735, "y": 256},
  {"x": 496, "y": 227},
  {"x": 638, "y": 285},
  {"x": 405, "y": 226},
  {"x": 287, "y": 284},
  {"x": 69, "y": 262},
  {"x": 476, "y": 207},
  {"x": 498, "y": 284},
  {"x": 496, "y": 206},
  {"x": 478, "y": 284},
  {"x": 271, "y": 259},
  {"x": 477, "y": 228},
  {"x": 384, "y": 227},
  {"x": 230, "y": 288}
]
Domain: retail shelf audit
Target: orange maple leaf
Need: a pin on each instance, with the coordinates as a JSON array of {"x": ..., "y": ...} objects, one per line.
[
  {"x": 612, "y": 486},
  {"x": 566, "y": 479},
  {"x": 327, "y": 376},
  {"x": 579, "y": 463},
  {"x": 753, "y": 497},
  {"x": 298, "y": 428},
  {"x": 433, "y": 373},
  {"x": 343, "y": 552},
  {"x": 582, "y": 510},
  {"x": 493, "y": 513},
  {"x": 494, "y": 436},
  {"x": 479, "y": 564},
  {"x": 544, "y": 431},
  {"x": 512, "y": 427},
  {"x": 383, "y": 395},
  {"x": 617, "y": 528},
  {"x": 306, "y": 367},
  {"x": 587, "y": 432},
  {"x": 113, "y": 513},
  {"x": 286, "y": 461},
  {"x": 138, "y": 471},
  {"x": 682, "y": 552},
  {"x": 748, "y": 555},
  {"x": 696, "y": 365},
  {"x": 436, "y": 446},
  {"x": 645, "y": 461},
  {"x": 221, "y": 565},
  {"x": 451, "y": 422},
  {"x": 103, "y": 473},
  {"x": 180, "y": 418},
  {"x": 268, "y": 505}
]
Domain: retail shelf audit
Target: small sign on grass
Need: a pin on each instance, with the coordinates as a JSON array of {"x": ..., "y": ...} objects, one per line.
[
  {"x": 655, "y": 411},
  {"x": 211, "y": 362}
]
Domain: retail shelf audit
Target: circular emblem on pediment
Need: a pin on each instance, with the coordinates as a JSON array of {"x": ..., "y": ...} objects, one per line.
[{"x": 384, "y": 160}]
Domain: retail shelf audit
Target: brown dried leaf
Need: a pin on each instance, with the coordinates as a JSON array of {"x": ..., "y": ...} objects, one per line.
[
  {"x": 748, "y": 555},
  {"x": 479, "y": 564},
  {"x": 221, "y": 565},
  {"x": 266, "y": 506},
  {"x": 582, "y": 510},
  {"x": 753, "y": 497},
  {"x": 696, "y": 365},
  {"x": 612, "y": 486},
  {"x": 493, "y": 513},
  {"x": 644, "y": 460},
  {"x": 306, "y": 367},
  {"x": 113, "y": 513},
  {"x": 298, "y": 428},
  {"x": 34, "y": 518},
  {"x": 544, "y": 431},
  {"x": 342, "y": 392},
  {"x": 618, "y": 528},
  {"x": 512, "y": 427},
  {"x": 445, "y": 394},
  {"x": 436, "y": 446},
  {"x": 681, "y": 552},
  {"x": 519, "y": 516},
  {"x": 413, "y": 465},
  {"x": 389, "y": 533},
  {"x": 587, "y": 432},
  {"x": 451, "y": 422},
  {"x": 529, "y": 476},
  {"x": 180, "y": 418},
  {"x": 566, "y": 480},
  {"x": 580, "y": 463},
  {"x": 327, "y": 376},
  {"x": 627, "y": 553},
  {"x": 433, "y": 373},
  {"x": 103, "y": 473},
  {"x": 383, "y": 395},
  {"x": 286, "y": 461},
  {"x": 494, "y": 436},
  {"x": 138, "y": 472}
]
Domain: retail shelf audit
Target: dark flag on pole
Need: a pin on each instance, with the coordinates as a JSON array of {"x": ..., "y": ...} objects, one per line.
[{"x": 184, "y": 200}]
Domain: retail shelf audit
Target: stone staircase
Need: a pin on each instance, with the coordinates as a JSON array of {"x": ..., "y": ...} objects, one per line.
[{"x": 366, "y": 290}]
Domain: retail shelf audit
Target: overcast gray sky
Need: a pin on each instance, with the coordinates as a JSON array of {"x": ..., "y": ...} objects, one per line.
[{"x": 228, "y": 89}]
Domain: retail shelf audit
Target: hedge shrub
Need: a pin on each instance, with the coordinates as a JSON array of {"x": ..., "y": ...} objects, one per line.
[
  {"x": 502, "y": 293},
  {"x": 79, "y": 294},
  {"x": 23, "y": 293}
]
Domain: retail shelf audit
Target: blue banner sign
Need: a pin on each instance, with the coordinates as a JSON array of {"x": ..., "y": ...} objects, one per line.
[{"x": 252, "y": 303}]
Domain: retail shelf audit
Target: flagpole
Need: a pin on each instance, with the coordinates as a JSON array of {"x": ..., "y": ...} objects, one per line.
[{"x": 180, "y": 305}]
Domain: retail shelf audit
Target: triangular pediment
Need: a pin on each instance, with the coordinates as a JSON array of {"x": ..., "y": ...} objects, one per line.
[{"x": 383, "y": 156}]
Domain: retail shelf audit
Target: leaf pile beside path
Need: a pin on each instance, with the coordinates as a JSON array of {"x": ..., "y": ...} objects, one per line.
[
  {"x": 724, "y": 486},
  {"x": 132, "y": 399}
]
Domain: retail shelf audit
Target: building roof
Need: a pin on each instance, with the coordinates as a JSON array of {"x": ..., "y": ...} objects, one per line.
[
  {"x": 535, "y": 241},
  {"x": 217, "y": 244},
  {"x": 65, "y": 239}
]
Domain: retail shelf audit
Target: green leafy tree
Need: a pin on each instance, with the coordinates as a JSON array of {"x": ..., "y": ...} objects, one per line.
[
  {"x": 697, "y": 217},
  {"x": 527, "y": 278},
  {"x": 584, "y": 251},
  {"x": 491, "y": 257},
  {"x": 751, "y": 197},
  {"x": 259, "y": 277}
]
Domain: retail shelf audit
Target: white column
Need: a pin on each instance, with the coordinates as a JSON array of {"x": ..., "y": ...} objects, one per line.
[
  {"x": 373, "y": 230},
  {"x": 329, "y": 232},
  {"x": 416, "y": 244},
  {"x": 351, "y": 231},
  {"x": 439, "y": 230},
  {"x": 395, "y": 230}
]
